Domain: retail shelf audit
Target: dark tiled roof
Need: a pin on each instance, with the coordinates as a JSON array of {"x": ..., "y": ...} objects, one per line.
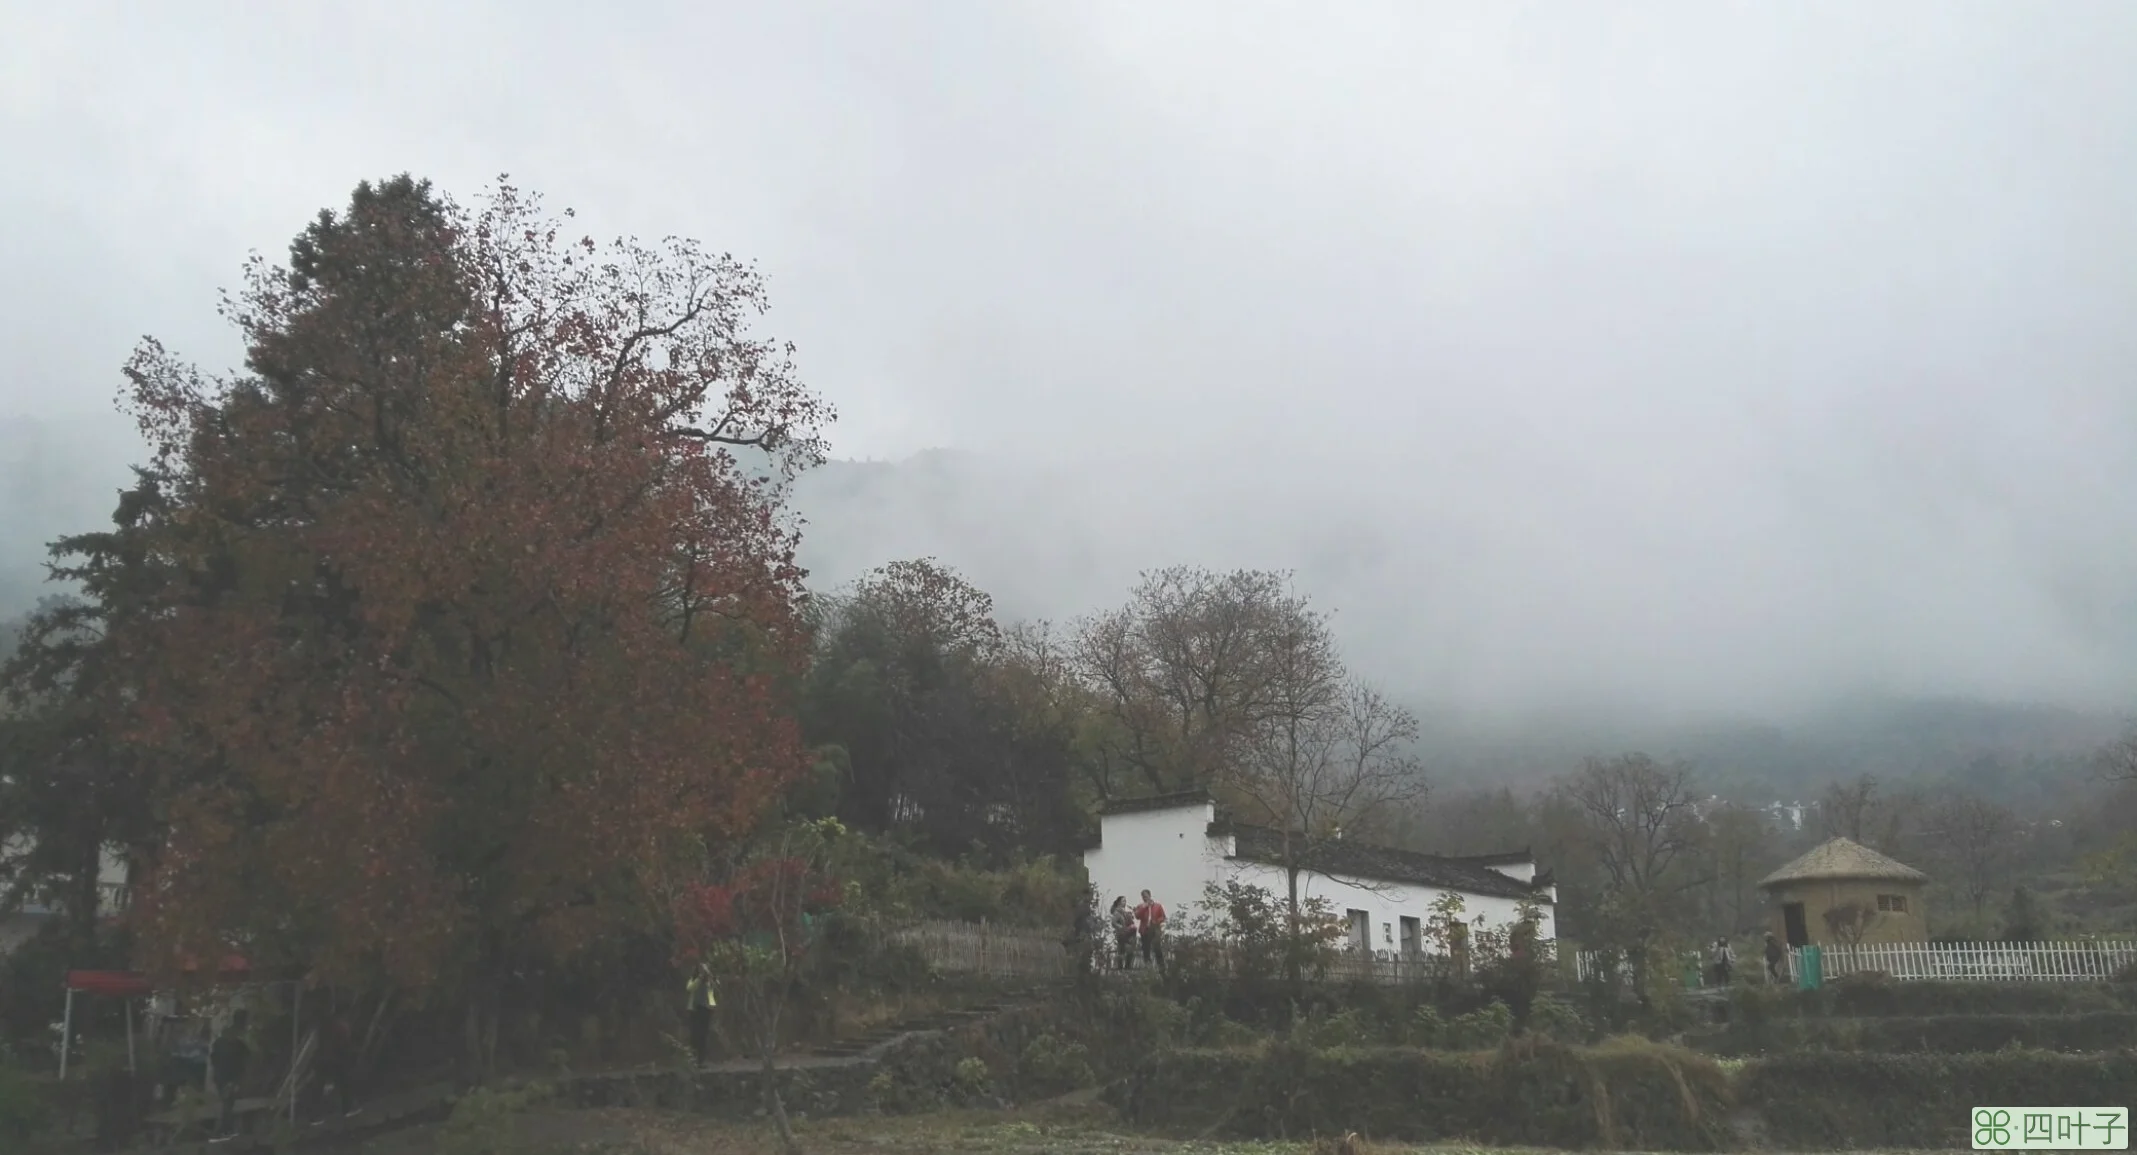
[
  {"x": 1154, "y": 802},
  {"x": 1509, "y": 858},
  {"x": 1363, "y": 860}
]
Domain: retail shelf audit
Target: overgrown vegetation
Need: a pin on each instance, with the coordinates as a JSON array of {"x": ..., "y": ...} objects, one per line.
[
  {"x": 1622, "y": 1094},
  {"x": 1821, "y": 1101}
]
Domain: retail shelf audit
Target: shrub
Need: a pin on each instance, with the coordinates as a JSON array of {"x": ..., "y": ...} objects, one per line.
[
  {"x": 486, "y": 1121},
  {"x": 1886, "y": 997},
  {"x": 1831, "y": 1100},
  {"x": 1557, "y": 1020},
  {"x": 25, "y": 1108},
  {"x": 1050, "y": 1066},
  {"x": 1945, "y": 1034},
  {"x": 1347, "y": 1028},
  {"x": 1427, "y": 1028},
  {"x": 1479, "y": 1030},
  {"x": 1628, "y": 1093}
]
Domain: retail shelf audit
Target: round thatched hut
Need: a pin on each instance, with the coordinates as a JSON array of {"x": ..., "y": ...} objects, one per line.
[{"x": 1845, "y": 892}]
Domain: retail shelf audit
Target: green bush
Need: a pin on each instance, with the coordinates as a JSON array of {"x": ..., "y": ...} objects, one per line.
[
  {"x": 1833, "y": 1100},
  {"x": 1944, "y": 1034},
  {"x": 486, "y": 1121},
  {"x": 1872, "y": 997},
  {"x": 1479, "y": 1030},
  {"x": 1628, "y": 1093},
  {"x": 1050, "y": 1066},
  {"x": 1347, "y": 1028},
  {"x": 1427, "y": 1027},
  {"x": 25, "y": 1105},
  {"x": 1558, "y": 1020}
]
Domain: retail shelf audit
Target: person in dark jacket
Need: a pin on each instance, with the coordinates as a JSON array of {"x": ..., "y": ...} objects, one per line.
[
  {"x": 227, "y": 1061},
  {"x": 702, "y": 1001},
  {"x": 337, "y": 1068},
  {"x": 1775, "y": 956}
]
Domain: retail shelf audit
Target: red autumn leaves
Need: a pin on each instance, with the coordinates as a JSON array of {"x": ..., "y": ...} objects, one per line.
[
  {"x": 769, "y": 898},
  {"x": 479, "y": 633}
]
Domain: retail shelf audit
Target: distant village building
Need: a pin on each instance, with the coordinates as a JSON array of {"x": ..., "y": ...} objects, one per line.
[
  {"x": 1845, "y": 892},
  {"x": 1788, "y": 814},
  {"x": 1177, "y": 846},
  {"x": 38, "y": 910}
]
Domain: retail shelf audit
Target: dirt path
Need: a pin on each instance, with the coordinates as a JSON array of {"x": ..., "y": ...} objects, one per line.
[{"x": 1073, "y": 1126}]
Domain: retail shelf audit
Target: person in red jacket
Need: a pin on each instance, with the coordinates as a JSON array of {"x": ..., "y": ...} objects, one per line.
[{"x": 1150, "y": 921}]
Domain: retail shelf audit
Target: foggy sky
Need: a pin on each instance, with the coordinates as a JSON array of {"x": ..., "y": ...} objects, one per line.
[{"x": 1686, "y": 357}]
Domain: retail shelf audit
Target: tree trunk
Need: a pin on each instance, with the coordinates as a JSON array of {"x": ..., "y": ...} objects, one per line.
[
  {"x": 1293, "y": 947},
  {"x": 480, "y": 1032},
  {"x": 768, "y": 1048}
]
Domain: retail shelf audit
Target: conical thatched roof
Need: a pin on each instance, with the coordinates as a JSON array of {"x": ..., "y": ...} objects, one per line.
[{"x": 1843, "y": 858}]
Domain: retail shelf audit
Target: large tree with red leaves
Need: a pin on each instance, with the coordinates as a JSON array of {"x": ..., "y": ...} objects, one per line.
[{"x": 474, "y": 629}]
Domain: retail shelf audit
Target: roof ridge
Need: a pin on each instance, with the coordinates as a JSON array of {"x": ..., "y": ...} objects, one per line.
[{"x": 1842, "y": 858}]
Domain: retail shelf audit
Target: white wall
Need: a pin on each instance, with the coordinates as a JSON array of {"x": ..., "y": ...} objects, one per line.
[
  {"x": 1388, "y": 903},
  {"x": 1167, "y": 852},
  {"x": 1170, "y": 853}
]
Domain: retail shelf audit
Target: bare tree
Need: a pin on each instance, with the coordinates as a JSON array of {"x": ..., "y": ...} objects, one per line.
[
  {"x": 2118, "y": 760},
  {"x": 1186, "y": 674},
  {"x": 1638, "y": 825},
  {"x": 1337, "y": 755},
  {"x": 1976, "y": 842},
  {"x": 1741, "y": 847},
  {"x": 1850, "y": 922},
  {"x": 1846, "y": 809}
]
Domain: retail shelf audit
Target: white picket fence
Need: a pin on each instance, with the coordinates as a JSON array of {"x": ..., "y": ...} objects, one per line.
[
  {"x": 2079, "y": 961},
  {"x": 1978, "y": 961}
]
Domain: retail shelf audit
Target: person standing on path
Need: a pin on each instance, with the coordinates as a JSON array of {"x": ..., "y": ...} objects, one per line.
[
  {"x": 337, "y": 1068},
  {"x": 1082, "y": 939},
  {"x": 227, "y": 1061},
  {"x": 1123, "y": 921},
  {"x": 1724, "y": 959},
  {"x": 1150, "y": 921},
  {"x": 702, "y": 1001}
]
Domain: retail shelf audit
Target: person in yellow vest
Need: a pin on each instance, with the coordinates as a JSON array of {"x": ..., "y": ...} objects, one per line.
[{"x": 702, "y": 1000}]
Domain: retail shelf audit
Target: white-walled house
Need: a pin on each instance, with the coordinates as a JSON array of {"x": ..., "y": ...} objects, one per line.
[{"x": 1177, "y": 846}]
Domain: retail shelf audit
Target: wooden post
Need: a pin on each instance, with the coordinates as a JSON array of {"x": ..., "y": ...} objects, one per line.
[
  {"x": 129, "y": 1003},
  {"x": 296, "y": 1003},
  {"x": 66, "y": 1033}
]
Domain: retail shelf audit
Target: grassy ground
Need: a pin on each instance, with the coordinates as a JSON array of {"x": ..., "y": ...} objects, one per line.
[{"x": 1068, "y": 1127}]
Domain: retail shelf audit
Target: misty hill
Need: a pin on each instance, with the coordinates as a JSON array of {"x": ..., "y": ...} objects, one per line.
[
  {"x": 1040, "y": 541},
  {"x": 1049, "y": 543},
  {"x": 58, "y": 476}
]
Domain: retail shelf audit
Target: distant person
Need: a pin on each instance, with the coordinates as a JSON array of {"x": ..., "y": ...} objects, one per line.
[
  {"x": 1083, "y": 932},
  {"x": 1123, "y": 921},
  {"x": 188, "y": 1067},
  {"x": 1150, "y": 923},
  {"x": 1776, "y": 954},
  {"x": 1723, "y": 958},
  {"x": 337, "y": 1068},
  {"x": 227, "y": 1061},
  {"x": 702, "y": 1000}
]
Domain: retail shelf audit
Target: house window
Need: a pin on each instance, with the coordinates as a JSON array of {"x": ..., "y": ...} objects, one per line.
[
  {"x": 1413, "y": 937},
  {"x": 1894, "y": 903}
]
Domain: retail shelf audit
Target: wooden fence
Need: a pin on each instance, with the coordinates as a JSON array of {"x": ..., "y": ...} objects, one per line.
[
  {"x": 2085, "y": 961},
  {"x": 985, "y": 949}
]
